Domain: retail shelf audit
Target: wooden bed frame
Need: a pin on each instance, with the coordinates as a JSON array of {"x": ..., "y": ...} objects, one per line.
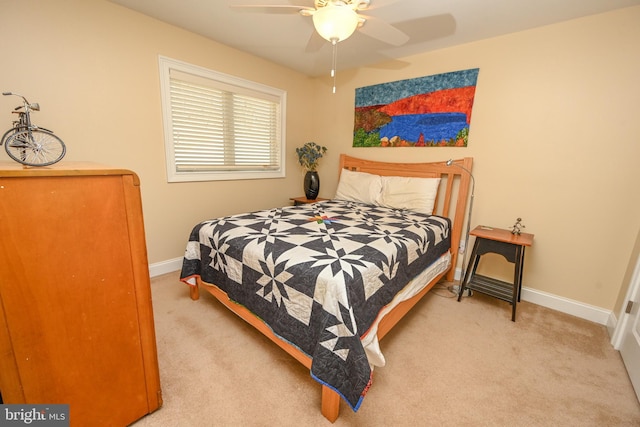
[{"x": 451, "y": 202}]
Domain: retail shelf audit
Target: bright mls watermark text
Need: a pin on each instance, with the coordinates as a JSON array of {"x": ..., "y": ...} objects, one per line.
[{"x": 34, "y": 415}]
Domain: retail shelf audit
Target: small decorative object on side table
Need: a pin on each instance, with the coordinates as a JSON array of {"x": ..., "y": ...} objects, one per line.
[
  {"x": 503, "y": 242},
  {"x": 517, "y": 227},
  {"x": 303, "y": 200}
]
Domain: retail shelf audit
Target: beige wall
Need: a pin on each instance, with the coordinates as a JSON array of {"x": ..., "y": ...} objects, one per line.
[
  {"x": 93, "y": 67},
  {"x": 555, "y": 140},
  {"x": 554, "y": 131}
]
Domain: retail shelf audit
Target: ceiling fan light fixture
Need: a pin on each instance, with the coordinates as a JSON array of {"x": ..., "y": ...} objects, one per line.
[{"x": 335, "y": 23}]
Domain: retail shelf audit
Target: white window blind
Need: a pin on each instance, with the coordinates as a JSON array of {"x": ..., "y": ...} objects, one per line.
[{"x": 220, "y": 127}]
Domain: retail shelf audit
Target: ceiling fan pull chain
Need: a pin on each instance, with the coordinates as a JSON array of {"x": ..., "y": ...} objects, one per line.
[{"x": 334, "y": 62}]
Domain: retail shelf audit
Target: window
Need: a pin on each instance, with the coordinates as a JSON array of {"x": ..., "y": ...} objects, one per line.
[{"x": 219, "y": 127}]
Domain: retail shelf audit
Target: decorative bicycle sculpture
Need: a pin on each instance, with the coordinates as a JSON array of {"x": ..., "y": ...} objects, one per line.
[{"x": 29, "y": 144}]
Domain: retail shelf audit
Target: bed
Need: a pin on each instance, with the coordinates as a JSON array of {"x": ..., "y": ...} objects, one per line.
[{"x": 326, "y": 281}]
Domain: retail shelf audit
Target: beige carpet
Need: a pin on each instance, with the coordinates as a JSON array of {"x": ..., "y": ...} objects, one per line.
[{"x": 448, "y": 364}]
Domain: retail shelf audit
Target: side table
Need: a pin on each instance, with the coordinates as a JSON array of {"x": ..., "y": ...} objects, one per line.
[
  {"x": 303, "y": 200},
  {"x": 502, "y": 242}
]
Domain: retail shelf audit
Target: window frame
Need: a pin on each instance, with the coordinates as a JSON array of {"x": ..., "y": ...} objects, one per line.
[{"x": 224, "y": 82}]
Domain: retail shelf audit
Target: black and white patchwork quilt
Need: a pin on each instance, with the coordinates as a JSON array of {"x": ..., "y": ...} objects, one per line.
[{"x": 318, "y": 274}]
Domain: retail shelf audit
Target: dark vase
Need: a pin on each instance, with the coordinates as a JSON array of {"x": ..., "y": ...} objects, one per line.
[{"x": 311, "y": 185}]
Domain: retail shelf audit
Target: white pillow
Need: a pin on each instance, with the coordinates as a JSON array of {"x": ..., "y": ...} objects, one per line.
[
  {"x": 359, "y": 187},
  {"x": 416, "y": 194}
]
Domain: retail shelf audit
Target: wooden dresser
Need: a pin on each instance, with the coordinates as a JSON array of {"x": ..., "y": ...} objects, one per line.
[{"x": 76, "y": 320}]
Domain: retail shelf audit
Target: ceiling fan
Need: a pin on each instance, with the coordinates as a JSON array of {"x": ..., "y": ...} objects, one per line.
[{"x": 337, "y": 20}]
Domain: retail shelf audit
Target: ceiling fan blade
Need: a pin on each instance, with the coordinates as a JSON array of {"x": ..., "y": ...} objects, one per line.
[
  {"x": 379, "y": 29},
  {"x": 378, "y": 4},
  {"x": 315, "y": 42},
  {"x": 271, "y": 8}
]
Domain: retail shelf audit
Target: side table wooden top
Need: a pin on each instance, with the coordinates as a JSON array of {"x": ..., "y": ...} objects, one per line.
[
  {"x": 502, "y": 235},
  {"x": 304, "y": 200}
]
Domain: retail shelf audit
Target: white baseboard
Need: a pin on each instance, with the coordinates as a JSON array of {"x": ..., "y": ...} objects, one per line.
[
  {"x": 165, "y": 267},
  {"x": 565, "y": 305}
]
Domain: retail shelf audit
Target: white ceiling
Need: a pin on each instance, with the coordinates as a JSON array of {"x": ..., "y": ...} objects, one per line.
[{"x": 431, "y": 25}]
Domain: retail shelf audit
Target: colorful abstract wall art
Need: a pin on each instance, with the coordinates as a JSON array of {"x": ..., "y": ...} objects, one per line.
[{"x": 431, "y": 111}]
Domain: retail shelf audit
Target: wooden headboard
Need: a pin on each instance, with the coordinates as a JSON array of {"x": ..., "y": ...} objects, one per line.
[{"x": 453, "y": 193}]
